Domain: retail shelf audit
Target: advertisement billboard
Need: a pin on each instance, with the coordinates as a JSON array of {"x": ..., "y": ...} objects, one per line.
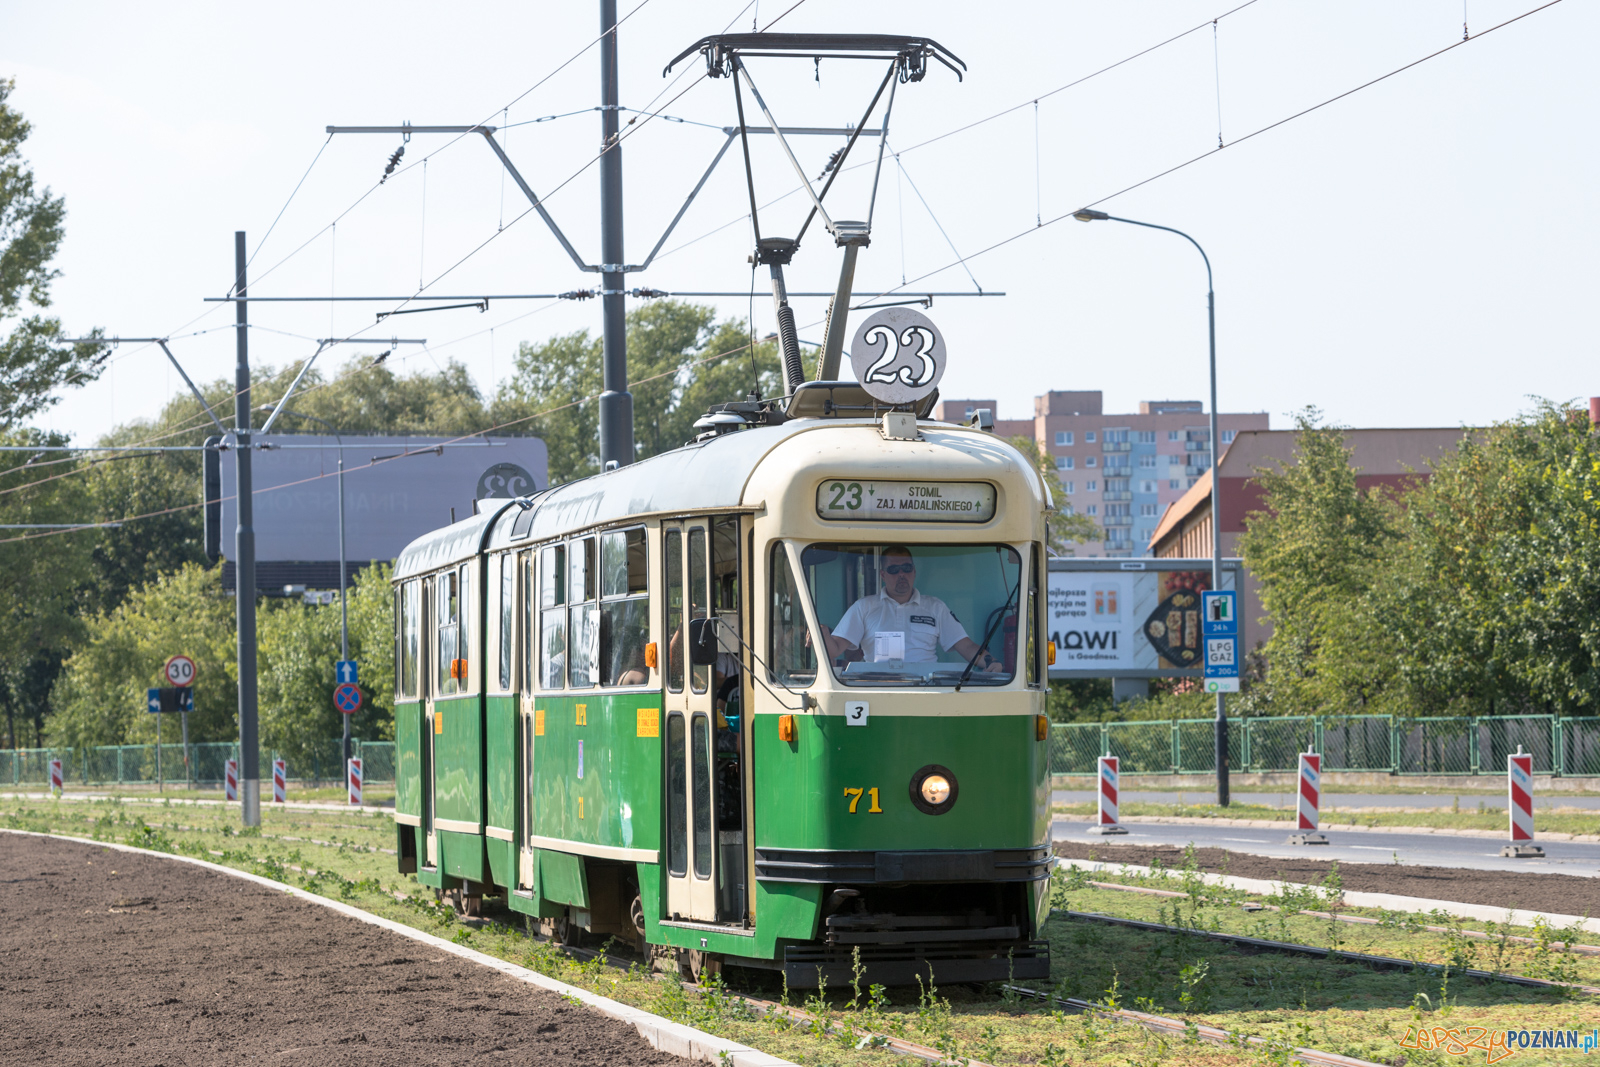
[
  {"x": 1130, "y": 618},
  {"x": 396, "y": 488}
]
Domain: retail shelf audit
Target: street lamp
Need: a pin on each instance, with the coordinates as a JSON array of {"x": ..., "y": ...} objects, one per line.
[
  {"x": 1090, "y": 215},
  {"x": 344, "y": 614}
]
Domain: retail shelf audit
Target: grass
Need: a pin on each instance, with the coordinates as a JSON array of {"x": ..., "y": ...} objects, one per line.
[
  {"x": 1334, "y": 1006},
  {"x": 1440, "y": 819}
]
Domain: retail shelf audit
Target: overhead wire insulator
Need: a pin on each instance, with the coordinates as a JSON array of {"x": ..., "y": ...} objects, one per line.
[{"x": 394, "y": 161}]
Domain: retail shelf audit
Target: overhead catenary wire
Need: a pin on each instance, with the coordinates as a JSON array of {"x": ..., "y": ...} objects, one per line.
[{"x": 1211, "y": 152}]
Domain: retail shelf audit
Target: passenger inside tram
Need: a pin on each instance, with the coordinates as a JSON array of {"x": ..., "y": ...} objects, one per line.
[{"x": 891, "y": 614}]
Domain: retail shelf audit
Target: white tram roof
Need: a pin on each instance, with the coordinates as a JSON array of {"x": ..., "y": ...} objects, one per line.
[{"x": 701, "y": 476}]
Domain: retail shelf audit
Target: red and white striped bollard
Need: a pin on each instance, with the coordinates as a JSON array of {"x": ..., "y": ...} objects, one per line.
[
  {"x": 1519, "y": 787},
  {"x": 1108, "y": 821},
  {"x": 58, "y": 780},
  {"x": 230, "y": 780},
  {"x": 1309, "y": 801},
  {"x": 353, "y": 774},
  {"x": 280, "y": 782}
]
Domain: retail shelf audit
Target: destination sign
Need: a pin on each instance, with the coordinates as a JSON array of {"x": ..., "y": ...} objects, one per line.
[{"x": 848, "y": 500}]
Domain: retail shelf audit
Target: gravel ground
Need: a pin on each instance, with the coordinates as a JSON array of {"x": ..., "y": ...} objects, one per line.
[{"x": 114, "y": 958}]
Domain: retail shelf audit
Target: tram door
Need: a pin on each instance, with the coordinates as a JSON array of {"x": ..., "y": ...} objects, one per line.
[
  {"x": 687, "y": 777},
  {"x": 527, "y": 597},
  {"x": 425, "y": 655}
]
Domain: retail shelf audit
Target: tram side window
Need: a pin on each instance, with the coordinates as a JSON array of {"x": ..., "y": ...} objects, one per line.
[
  {"x": 553, "y": 616},
  {"x": 673, "y": 556},
  {"x": 792, "y": 655},
  {"x": 699, "y": 600},
  {"x": 528, "y": 644},
  {"x": 583, "y": 633},
  {"x": 447, "y": 610},
  {"x": 410, "y": 616},
  {"x": 1031, "y": 619},
  {"x": 508, "y": 589},
  {"x": 463, "y": 637},
  {"x": 624, "y": 607}
]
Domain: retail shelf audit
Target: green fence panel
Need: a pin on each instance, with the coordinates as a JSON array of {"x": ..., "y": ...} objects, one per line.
[
  {"x": 1580, "y": 747},
  {"x": 1197, "y": 745},
  {"x": 1275, "y": 744},
  {"x": 1358, "y": 743},
  {"x": 377, "y": 761},
  {"x": 1502, "y": 735},
  {"x": 1434, "y": 745},
  {"x": 1074, "y": 746},
  {"x": 1141, "y": 747}
]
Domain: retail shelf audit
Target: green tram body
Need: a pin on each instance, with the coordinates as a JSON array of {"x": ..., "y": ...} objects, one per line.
[{"x": 561, "y": 798}]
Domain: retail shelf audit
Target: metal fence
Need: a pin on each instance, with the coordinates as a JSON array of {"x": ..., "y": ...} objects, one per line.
[
  {"x": 143, "y": 764},
  {"x": 1569, "y": 747}
]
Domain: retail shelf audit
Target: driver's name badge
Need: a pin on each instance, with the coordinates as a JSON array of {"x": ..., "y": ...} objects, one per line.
[{"x": 925, "y": 620}]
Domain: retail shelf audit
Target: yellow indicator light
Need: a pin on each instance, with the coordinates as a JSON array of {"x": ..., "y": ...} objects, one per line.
[
  {"x": 580, "y": 807},
  {"x": 1052, "y": 653},
  {"x": 538, "y": 722},
  {"x": 936, "y": 789},
  {"x": 438, "y": 721},
  {"x": 1041, "y": 727},
  {"x": 583, "y": 715},
  {"x": 785, "y": 727}
]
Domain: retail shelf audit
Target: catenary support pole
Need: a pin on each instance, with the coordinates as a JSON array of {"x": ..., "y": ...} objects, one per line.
[
  {"x": 616, "y": 403},
  {"x": 244, "y": 578}
]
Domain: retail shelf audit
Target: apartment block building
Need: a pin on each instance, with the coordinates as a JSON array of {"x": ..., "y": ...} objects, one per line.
[{"x": 1121, "y": 470}]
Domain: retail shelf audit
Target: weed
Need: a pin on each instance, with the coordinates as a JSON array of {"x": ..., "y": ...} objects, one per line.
[{"x": 1193, "y": 993}]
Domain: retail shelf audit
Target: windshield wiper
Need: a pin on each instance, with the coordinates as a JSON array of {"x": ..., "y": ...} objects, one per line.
[{"x": 983, "y": 645}]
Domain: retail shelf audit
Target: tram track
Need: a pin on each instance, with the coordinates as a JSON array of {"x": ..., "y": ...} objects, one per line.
[{"x": 1390, "y": 963}]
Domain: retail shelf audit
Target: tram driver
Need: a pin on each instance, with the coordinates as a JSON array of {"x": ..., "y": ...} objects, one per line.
[{"x": 898, "y": 622}]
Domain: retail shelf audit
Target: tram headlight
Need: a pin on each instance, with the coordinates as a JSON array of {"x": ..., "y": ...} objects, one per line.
[{"x": 934, "y": 789}]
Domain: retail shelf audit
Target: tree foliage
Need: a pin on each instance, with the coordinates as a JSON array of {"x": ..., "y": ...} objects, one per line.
[
  {"x": 33, "y": 360},
  {"x": 1471, "y": 592},
  {"x": 680, "y": 361}
]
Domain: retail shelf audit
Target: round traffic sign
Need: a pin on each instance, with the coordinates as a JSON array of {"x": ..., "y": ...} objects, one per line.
[
  {"x": 180, "y": 671},
  {"x": 347, "y": 698}
]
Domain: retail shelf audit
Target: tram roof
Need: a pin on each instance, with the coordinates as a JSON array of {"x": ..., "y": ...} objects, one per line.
[
  {"x": 700, "y": 476},
  {"x": 449, "y": 544}
]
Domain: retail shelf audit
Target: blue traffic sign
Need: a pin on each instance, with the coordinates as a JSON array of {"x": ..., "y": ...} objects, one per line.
[
  {"x": 152, "y": 700},
  {"x": 1219, "y": 627},
  {"x": 346, "y": 673}
]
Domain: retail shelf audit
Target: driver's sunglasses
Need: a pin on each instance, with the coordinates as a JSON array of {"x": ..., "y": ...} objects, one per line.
[{"x": 900, "y": 568}]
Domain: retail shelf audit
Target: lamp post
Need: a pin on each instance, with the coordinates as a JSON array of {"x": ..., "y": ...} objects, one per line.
[
  {"x": 1090, "y": 215},
  {"x": 344, "y": 614}
]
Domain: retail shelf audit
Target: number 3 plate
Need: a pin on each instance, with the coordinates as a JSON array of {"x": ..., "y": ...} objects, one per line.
[{"x": 855, "y": 713}]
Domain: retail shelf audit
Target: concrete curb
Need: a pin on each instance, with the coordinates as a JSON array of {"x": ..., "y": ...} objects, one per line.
[
  {"x": 664, "y": 1034},
  {"x": 1288, "y": 826},
  {"x": 1388, "y": 901}
]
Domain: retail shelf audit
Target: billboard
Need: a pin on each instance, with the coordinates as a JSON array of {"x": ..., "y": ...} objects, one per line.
[
  {"x": 396, "y": 488},
  {"x": 1130, "y": 618}
]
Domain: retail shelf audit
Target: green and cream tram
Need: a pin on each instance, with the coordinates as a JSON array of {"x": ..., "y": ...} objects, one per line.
[{"x": 770, "y": 699}]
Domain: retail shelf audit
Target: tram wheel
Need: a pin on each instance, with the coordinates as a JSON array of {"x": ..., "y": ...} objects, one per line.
[
  {"x": 636, "y": 917},
  {"x": 694, "y": 964}
]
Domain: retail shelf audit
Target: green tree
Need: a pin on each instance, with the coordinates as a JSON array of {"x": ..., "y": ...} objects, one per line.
[
  {"x": 299, "y": 646},
  {"x": 1067, "y": 527},
  {"x": 679, "y": 363},
  {"x": 33, "y": 360},
  {"x": 1319, "y": 550},
  {"x": 44, "y": 581},
  {"x": 100, "y": 696}
]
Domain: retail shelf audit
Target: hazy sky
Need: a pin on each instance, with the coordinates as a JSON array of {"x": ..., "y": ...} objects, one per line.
[{"x": 1413, "y": 254}]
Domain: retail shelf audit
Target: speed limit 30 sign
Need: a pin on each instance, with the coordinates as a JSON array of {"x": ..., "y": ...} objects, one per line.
[{"x": 180, "y": 671}]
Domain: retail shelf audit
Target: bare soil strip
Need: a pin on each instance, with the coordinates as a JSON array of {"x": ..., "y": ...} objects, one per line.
[
  {"x": 113, "y": 958},
  {"x": 1555, "y": 894}
]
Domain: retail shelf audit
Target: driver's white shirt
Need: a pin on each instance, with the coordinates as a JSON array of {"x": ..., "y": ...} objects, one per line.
[{"x": 925, "y": 620}]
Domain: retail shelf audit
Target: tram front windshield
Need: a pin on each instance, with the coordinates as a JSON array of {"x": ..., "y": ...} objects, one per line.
[{"x": 897, "y": 614}]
